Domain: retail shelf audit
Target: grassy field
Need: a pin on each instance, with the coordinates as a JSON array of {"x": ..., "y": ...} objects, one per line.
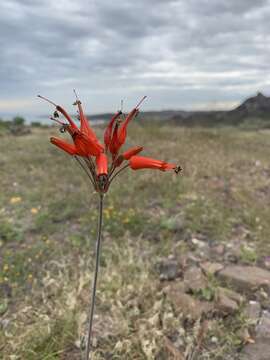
[{"x": 48, "y": 215}]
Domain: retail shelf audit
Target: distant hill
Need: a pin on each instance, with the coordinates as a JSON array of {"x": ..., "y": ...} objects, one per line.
[
  {"x": 258, "y": 105},
  {"x": 253, "y": 112}
]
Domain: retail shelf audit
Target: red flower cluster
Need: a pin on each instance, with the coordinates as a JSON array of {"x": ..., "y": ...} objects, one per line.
[{"x": 101, "y": 161}]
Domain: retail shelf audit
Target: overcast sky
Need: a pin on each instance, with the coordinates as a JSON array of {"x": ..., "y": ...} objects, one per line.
[{"x": 183, "y": 54}]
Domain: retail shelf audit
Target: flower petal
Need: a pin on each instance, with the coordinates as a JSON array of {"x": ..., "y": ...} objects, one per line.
[
  {"x": 122, "y": 134},
  {"x": 85, "y": 127},
  {"x": 102, "y": 164},
  {"x": 85, "y": 145},
  {"x": 67, "y": 116},
  {"x": 109, "y": 128},
  {"x": 63, "y": 145},
  {"x": 131, "y": 152},
  {"x": 127, "y": 155},
  {"x": 141, "y": 162}
]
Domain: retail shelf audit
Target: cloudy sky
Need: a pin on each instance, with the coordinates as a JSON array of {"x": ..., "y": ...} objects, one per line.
[{"x": 183, "y": 54}]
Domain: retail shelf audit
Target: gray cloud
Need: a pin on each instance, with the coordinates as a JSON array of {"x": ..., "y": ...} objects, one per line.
[{"x": 182, "y": 54}]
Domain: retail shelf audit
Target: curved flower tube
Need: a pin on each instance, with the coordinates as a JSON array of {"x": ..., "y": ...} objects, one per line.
[
  {"x": 141, "y": 162},
  {"x": 102, "y": 164},
  {"x": 63, "y": 145},
  {"x": 109, "y": 128},
  {"x": 128, "y": 154}
]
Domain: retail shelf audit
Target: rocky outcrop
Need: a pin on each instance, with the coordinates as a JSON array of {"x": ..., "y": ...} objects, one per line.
[{"x": 246, "y": 278}]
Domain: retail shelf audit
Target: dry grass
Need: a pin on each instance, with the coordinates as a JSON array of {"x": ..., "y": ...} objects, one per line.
[{"x": 47, "y": 232}]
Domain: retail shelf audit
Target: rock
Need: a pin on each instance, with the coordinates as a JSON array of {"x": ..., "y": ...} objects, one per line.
[
  {"x": 176, "y": 287},
  {"x": 211, "y": 268},
  {"x": 4, "y": 323},
  {"x": 187, "y": 305},
  {"x": 246, "y": 278},
  {"x": 239, "y": 299},
  {"x": 263, "y": 328},
  {"x": 198, "y": 243},
  {"x": 168, "y": 269},
  {"x": 266, "y": 262},
  {"x": 194, "y": 279},
  {"x": 174, "y": 224},
  {"x": 226, "y": 305},
  {"x": 6, "y": 290},
  {"x": 262, "y": 296},
  {"x": 260, "y": 350},
  {"x": 227, "y": 301},
  {"x": 218, "y": 249},
  {"x": 244, "y": 335},
  {"x": 252, "y": 311}
]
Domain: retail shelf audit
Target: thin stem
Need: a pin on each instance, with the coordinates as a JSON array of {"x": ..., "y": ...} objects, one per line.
[
  {"x": 118, "y": 172},
  {"x": 87, "y": 173},
  {"x": 93, "y": 295},
  {"x": 90, "y": 164}
]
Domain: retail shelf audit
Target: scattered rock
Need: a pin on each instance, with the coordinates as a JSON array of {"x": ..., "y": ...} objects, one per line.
[
  {"x": 194, "y": 279},
  {"x": 227, "y": 301},
  {"x": 218, "y": 249},
  {"x": 5, "y": 290},
  {"x": 4, "y": 323},
  {"x": 260, "y": 350},
  {"x": 168, "y": 269},
  {"x": 198, "y": 243},
  {"x": 244, "y": 335},
  {"x": 211, "y": 268},
  {"x": 239, "y": 299},
  {"x": 252, "y": 311},
  {"x": 186, "y": 305},
  {"x": 266, "y": 262},
  {"x": 263, "y": 328},
  {"x": 172, "y": 349},
  {"x": 262, "y": 296},
  {"x": 246, "y": 278},
  {"x": 178, "y": 287}
]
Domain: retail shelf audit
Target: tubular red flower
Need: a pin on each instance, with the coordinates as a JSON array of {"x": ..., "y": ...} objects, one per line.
[
  {"x": 63, "y": 145},
  {"x": 114, "y": 142},
  {"x": 127, "y": 155},
  {"x": 120, "y": 134},
  {"x": 86, "y": 129},
  {"x": 109, "y": 128},
  {"x": 66, "y": 115},
  {"x": 85, "y": 145},
  {"x": 102, "y": 164},
  {"x": 132, "y": 151},
  {"x": 141, "y": 162},
  {"x": 123, "y": 129}
]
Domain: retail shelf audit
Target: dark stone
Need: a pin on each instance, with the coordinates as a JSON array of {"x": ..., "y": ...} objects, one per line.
[{"x": 168, "y": 269}]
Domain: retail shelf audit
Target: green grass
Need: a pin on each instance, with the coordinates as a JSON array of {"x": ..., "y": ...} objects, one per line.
[{"x": 47, "y": 237}]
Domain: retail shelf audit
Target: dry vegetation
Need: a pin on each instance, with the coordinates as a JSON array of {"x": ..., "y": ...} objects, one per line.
[{"x": 47, "y": 233}]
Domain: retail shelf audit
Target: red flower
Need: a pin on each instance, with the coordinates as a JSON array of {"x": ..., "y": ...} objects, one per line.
[
  {"x": 102, "y": 164},
  {"x": 85, "y": 140},
  {"x": 69, "y": 148},
  {"x": 109, "y": 128},
  {"x": 93, "y": 156},
  {"x": 118, "y": 138},
  {"x": 128, "y": 154},
  {"x": 141, "y": 162}
]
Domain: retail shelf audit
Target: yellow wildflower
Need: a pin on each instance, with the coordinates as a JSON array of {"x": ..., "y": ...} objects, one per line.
[
  {"x": 15, "y": 199},
  {"x": 34, "y": 211}
]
